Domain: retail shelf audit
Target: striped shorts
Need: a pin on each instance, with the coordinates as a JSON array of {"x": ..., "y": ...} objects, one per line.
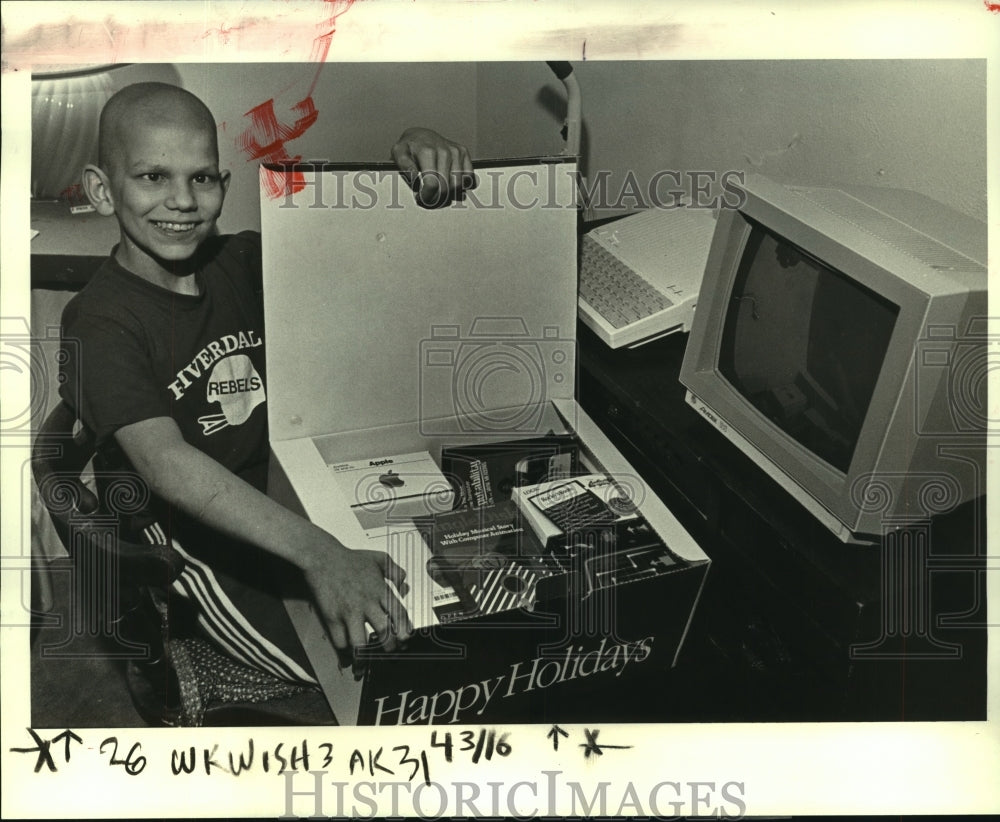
[{"x": 245, "y": 621}]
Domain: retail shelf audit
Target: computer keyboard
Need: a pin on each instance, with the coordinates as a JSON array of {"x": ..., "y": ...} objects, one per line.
[
  {"x": 640, "y": 275},
  {"x": 613, "y": 289}
]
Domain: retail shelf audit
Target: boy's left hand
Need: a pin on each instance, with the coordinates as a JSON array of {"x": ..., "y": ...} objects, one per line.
[{"x": 437, "y": 169}]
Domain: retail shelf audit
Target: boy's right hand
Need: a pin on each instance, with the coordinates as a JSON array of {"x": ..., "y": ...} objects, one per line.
[{"x": 351, "y": 589}]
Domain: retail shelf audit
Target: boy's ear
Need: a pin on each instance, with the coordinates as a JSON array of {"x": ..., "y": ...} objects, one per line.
[
  {"x": 225, "y": 177},
  {"x": 97, "y": 185}
]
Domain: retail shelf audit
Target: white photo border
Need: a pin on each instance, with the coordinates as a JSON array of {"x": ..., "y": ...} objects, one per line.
[{"x": 889, "y": 768}]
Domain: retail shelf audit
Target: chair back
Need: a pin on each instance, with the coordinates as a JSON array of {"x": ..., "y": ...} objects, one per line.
[{"x": 85, "y": 520}]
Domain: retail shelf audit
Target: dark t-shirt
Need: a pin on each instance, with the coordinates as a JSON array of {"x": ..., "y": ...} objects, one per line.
[{"x": 147, "y": 352}]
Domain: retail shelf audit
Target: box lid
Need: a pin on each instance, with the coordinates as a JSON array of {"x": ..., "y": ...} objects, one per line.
[{"x": 381, "y": 312}]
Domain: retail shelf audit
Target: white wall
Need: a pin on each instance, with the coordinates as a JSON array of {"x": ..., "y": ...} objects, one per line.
[{"x": 907, "y": 124}]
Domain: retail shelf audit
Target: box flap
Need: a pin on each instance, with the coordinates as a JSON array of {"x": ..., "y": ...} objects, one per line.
[{"x": 381, "y": 312}]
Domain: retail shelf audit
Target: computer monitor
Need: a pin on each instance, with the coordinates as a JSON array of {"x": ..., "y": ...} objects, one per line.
[{"x": 840, "y": 341}]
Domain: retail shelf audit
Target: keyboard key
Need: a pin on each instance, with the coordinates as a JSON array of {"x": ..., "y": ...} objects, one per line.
[{"x": 613, "y": 289}]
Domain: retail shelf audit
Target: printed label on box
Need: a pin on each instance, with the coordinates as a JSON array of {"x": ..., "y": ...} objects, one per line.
[{"x": 393, "y": 489}]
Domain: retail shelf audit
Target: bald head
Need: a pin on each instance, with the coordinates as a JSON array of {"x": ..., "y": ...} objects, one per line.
[{"x": 149, "y": 103}]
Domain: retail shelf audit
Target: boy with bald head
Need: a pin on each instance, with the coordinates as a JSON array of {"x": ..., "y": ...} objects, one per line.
[{"x": 170, "y": 330}]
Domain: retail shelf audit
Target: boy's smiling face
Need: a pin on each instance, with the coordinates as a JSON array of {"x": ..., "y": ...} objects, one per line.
[{"x": 167, "y": 194}]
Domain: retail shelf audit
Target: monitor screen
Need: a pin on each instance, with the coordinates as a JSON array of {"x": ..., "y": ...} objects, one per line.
[{"x": 804, "y": 344}]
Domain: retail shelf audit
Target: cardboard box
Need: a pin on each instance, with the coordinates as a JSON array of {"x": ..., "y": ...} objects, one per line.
[{"x": 405, "y": 329}]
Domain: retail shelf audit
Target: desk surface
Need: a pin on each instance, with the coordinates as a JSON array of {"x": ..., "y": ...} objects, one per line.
[
  {"x": 69, "y": 247},
  {"x": 66, "y": 234}
]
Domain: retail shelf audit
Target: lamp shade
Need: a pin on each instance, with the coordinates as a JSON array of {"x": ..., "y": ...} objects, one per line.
[{"x": 65, "y": 110}]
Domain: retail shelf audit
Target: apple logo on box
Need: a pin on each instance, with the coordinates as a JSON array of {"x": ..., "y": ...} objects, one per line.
[{"x": 390, "y": 479}]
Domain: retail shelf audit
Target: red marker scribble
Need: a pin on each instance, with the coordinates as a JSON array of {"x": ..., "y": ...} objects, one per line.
[
  {"x": 74, "y": 195},
  {"x": 223, "y": 32},
  {"x": 994, "y": 7},
  {"x": 264, "y": 139},
  {"x": 93, "y": 35}
]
